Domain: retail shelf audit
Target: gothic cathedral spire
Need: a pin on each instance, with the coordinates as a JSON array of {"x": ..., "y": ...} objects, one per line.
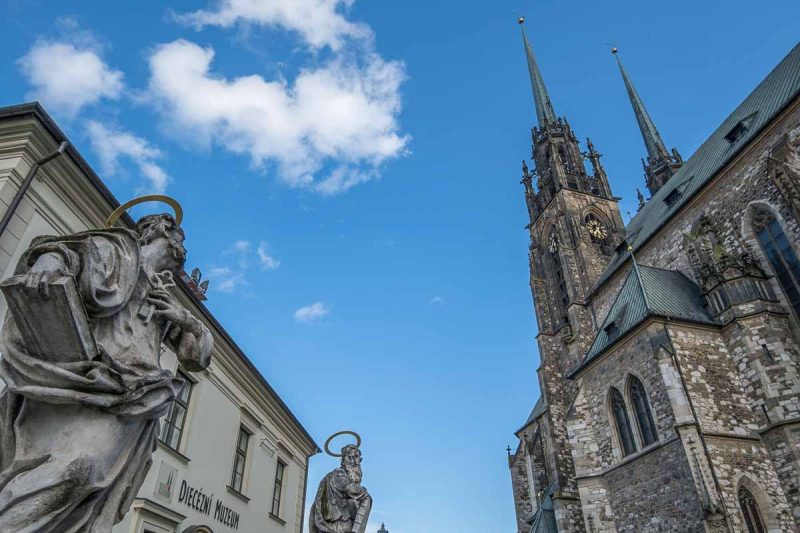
[
  {"x": 544, "y": 108},
  {"x": 661, "y": 164}
]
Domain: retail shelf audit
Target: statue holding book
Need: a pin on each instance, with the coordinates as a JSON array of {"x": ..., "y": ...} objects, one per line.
[
  {"x": 81, "y": 348},
  {"x": 342, "y": 504}
]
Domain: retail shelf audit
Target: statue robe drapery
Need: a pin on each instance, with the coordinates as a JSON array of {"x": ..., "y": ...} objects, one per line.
[
  {"x": 337, "y": 504},
  {"x": 81, "y": 473}
]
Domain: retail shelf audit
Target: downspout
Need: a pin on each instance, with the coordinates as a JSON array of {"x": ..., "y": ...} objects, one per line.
[
  {"x": 26, "y": 184},
  {"x": 706, "y": 451}
]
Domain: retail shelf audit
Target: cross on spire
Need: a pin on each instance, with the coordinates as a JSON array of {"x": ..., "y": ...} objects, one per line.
[{"x": 544, "y": 108}]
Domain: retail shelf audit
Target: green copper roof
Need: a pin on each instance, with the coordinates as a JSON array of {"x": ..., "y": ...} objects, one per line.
[
  {"x": 544, "y": 109},
  {"x": 770, "y": 97},
  {"x": 652, "y": 139},
  {"x": 647, "y": 292}
]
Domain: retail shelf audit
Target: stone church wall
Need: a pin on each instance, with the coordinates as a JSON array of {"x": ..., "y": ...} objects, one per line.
[{"x": 655, "y": 492}]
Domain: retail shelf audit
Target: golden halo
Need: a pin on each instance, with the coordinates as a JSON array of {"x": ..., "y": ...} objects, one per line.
[
  {"x": 327, "y": 442},
  {"x": 173, "y": 203}
]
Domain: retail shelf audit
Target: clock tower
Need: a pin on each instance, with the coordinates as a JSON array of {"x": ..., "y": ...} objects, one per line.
[{"x": 575, "y": 227}]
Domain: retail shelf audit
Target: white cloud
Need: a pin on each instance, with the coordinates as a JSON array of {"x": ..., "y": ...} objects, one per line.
[
  {"x": 311, "y": 313},
  {"x": 339, "y": 119},
  {"x": 318, "y": 22},
  {"x": 267, "y": 261},
  {"x": 226, "y": 279},
  {"x": 241, "y": 247},
  {"x": 113, "y": 144},
  {"x": 66, "y": 76},
  {"x": 436, "y": 300}
]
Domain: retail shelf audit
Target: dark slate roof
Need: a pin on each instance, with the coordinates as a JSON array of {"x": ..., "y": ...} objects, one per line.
[
  {"x": 648, "y": 291},
  {"x": 544, "y": 520},
  {"x": 770, "y": 97},
  {"x": 538, "y": 410}
]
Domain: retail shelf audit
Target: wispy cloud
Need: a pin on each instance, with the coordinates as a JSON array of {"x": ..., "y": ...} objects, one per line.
[
  {"x": 311, "y": 313},
  {"x": 68, "y": 73},
  {"x": 436, "y": 301},
  {"x": 267, "y": 261},
  {"x": 226, "y": 279},
  {"x": 240, "y": 255},
  {"x": 112, "y": 144},
  {"x": 318, "y": 22}
]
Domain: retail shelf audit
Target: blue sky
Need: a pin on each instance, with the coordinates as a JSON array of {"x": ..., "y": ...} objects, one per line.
[{"x": 350, "y": 176}]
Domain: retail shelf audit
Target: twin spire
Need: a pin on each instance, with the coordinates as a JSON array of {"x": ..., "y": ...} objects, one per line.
[
  {"x": 544, "y": 108},
  {"x": 661, "y": 164}
]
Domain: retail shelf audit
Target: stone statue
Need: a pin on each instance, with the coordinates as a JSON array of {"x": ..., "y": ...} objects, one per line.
[
  {"x": 84, "y": 386},
  {"x": 342, "y": 505}
]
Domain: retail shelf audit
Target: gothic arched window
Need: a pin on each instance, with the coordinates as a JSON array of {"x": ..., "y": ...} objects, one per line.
[
  {"x": 641, "y": 410},
  {"x": 622, "y": 422},
  {"x": 559, "y": 281},
  {"x": 780, "y": 253},
  {"x": 750, "y": 511}
]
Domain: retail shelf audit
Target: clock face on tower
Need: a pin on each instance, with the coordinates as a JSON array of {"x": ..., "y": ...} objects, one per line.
[
  {"x": 553, "y": 244},
  {"x": 596, "y": 229}
]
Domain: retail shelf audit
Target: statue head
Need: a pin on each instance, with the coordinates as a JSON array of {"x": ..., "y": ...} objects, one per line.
[
  {"x": 351, "y": 462},
  {"x": 165, "y": 237}
]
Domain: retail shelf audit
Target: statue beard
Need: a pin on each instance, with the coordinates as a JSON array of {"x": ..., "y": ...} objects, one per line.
[{"x": 353, "y": 472}]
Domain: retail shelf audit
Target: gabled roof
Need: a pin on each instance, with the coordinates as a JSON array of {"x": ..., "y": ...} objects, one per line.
[
  {"x": 770, "y": 97},
  {"x": 647, "y": 292},
  {"x": 538, "y": 410}
]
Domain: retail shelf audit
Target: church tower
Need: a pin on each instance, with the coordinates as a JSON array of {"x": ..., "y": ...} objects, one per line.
[
  {"x": 575, "y": 223},
  {"x": 575, "y": 228},
  {"x": 660, "y": 165}
]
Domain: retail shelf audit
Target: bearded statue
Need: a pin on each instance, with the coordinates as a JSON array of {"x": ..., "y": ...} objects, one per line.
[
  {"x": 81, "y": 347},
  {"x": 342, "y": 505}
]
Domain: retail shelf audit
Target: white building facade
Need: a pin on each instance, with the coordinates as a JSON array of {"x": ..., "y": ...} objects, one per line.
[{"x": 231, "y": 456}]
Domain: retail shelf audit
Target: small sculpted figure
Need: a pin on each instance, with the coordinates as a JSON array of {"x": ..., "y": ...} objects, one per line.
[
  {"x": 342, "y": 505},
  {"x": 81, "y": 348}
]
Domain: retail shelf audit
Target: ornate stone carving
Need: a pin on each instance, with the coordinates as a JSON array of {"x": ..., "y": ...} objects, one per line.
[
  {"x": 80, "y": 358},
  {"x": 342, "y": 505},
  {"x": 712, "y": 260},
  {"x": 783, "y": 168}
]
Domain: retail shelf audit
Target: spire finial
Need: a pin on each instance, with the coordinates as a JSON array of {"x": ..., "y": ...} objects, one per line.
[
  {"x": 544, "y": 108},
  {"x": 640, "y": 197},
  {"x": 652, "y": 139}
]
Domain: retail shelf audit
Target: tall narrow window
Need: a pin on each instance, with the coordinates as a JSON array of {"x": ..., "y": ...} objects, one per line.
[
  {"x": 239, "y": 459},
  {"x": 780, "y": 254},
  {"x": 641, "y": 409},
  {"x": 173, "y": 423},
  {"x": 277, "y": 494},
  {"x": 752, "y": 516},
  {"x": 560, "y": 282},
  {"x": 622, "y": 422}
]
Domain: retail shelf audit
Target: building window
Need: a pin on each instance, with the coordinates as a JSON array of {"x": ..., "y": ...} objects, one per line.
[
  {"x": 173, "y": 423},
  {"x": 752, "y": 516},
  {"x": 277, "y": 494},
  {"x": 237, "y": 478},
  {"x": 780, "y": 254},
  {"x": 622, "y": 422},
  {"x": 561, "y": 283},
  {"x": 641, "y": 409}
]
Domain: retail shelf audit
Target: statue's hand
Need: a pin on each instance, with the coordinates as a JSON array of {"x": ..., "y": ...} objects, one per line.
[
  {"x": 47, "y": 269},
  {"x": 166, "y": 307}
]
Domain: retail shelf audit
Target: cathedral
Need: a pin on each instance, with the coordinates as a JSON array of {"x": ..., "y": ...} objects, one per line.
[{"x": 670, "y": 346}]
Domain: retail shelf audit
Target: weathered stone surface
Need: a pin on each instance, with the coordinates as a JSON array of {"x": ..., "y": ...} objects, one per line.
[
  {"x": 78, "y": 420},
  {"x": 342, "y": 505}
]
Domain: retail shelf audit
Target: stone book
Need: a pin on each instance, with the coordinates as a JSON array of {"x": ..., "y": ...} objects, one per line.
[{"x": 55, "y": 327}]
